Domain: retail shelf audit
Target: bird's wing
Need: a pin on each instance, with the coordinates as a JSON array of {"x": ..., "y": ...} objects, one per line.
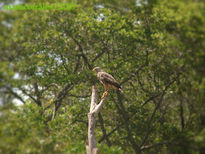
[{"x": 105, "y": 77}]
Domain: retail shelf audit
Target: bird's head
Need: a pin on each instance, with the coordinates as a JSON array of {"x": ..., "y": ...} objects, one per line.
[{"x": 97, "y": 69}]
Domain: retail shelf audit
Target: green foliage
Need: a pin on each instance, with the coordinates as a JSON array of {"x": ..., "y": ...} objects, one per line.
[{"x": 155, "y": 49}]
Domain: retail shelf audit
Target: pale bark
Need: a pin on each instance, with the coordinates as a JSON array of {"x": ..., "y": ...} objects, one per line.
[{"x": 91, "y": 147}]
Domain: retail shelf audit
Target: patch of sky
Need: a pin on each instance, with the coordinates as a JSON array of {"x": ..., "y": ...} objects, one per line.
[
  {"x": 56, "y": 57},
  {"x": 16, "y": 76},
  {"x": 16, "y": 2},
  {"x": 99, "y": 6},
  {"x": 101, "y": 17},
  {"x": 7, "y": 24},
  {"x": 141, "y": 2},
  {"x": 18, "y": 102}
]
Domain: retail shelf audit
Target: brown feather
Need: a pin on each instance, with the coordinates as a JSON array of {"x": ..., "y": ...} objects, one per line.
[{"x": 107, "y": 78}]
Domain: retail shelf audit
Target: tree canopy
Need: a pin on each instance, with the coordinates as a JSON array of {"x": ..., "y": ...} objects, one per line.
[{"x": 155, "y": 49}]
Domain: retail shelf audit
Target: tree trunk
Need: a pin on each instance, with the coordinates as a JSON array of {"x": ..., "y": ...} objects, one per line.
[{"x": 91, "y": 147}]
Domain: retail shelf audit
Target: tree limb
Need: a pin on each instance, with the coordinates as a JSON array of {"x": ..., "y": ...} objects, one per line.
[
  {"x": 38, "y": 102},
  {"x": 94, "y": 110},
  {"x": 124, "y": 115},
  {"x": 146, "y": 147},
  {"x": 82, "y": 53},
  {"x": 16, "y": 95},
  {"x": 156, "y": 108},
  {"x": 61, "y": 95}
]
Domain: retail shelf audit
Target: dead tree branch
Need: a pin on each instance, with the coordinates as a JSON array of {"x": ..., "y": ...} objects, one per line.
[{"x": 94, "y": 110}]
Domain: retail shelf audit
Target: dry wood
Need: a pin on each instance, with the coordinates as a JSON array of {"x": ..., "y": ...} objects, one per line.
[{"x": 91, "y": 147}]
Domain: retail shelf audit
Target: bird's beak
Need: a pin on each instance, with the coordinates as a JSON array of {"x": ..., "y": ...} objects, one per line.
[{"x": 93, "y": 69}]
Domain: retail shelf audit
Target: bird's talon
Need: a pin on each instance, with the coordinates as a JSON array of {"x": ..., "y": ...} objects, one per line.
[{"x": 104, "y": 94}]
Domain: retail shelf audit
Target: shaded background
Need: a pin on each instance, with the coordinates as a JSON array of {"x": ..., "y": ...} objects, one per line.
[{"x": 155, "y": 49}]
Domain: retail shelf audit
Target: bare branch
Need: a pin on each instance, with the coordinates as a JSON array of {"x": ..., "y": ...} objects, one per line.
[
  {"x": 99, "y": 55},
  {"x": 38, "y": 102},
  {"x": 125, "y": 116},
  {"x": 132, "y": 74},
  {"x": 82, "y": 53},
  {"x": 58, "y": 100},
  {"x": 151, "y": 98},
  {"x": 16, "y": 95},
  {"x": 156, "y": 108},
  {"x": 77, "y": 65},
  {"x": 99, "y": 106},
  {"x": 111, "y": 132},
  {"x": 129, "y": 118},
  {"x": 146, "y": 147},
  {"x": 94, "y": 110}
]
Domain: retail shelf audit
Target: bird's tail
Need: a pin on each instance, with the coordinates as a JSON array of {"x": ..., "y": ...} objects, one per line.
[{"x": 120, "y": 90}]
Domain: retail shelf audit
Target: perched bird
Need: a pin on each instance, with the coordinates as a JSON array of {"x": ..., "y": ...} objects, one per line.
[{"x": 107, "y": 80}]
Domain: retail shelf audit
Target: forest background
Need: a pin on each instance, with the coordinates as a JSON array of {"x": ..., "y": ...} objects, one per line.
[{"x": 154, "y": 48}]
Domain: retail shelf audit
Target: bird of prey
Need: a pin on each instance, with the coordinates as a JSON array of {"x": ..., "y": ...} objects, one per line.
[{"x": 107, "y": 80}]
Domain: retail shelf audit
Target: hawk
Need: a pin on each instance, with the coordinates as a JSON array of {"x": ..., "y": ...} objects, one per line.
[{"x": 107, "y": 80}]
